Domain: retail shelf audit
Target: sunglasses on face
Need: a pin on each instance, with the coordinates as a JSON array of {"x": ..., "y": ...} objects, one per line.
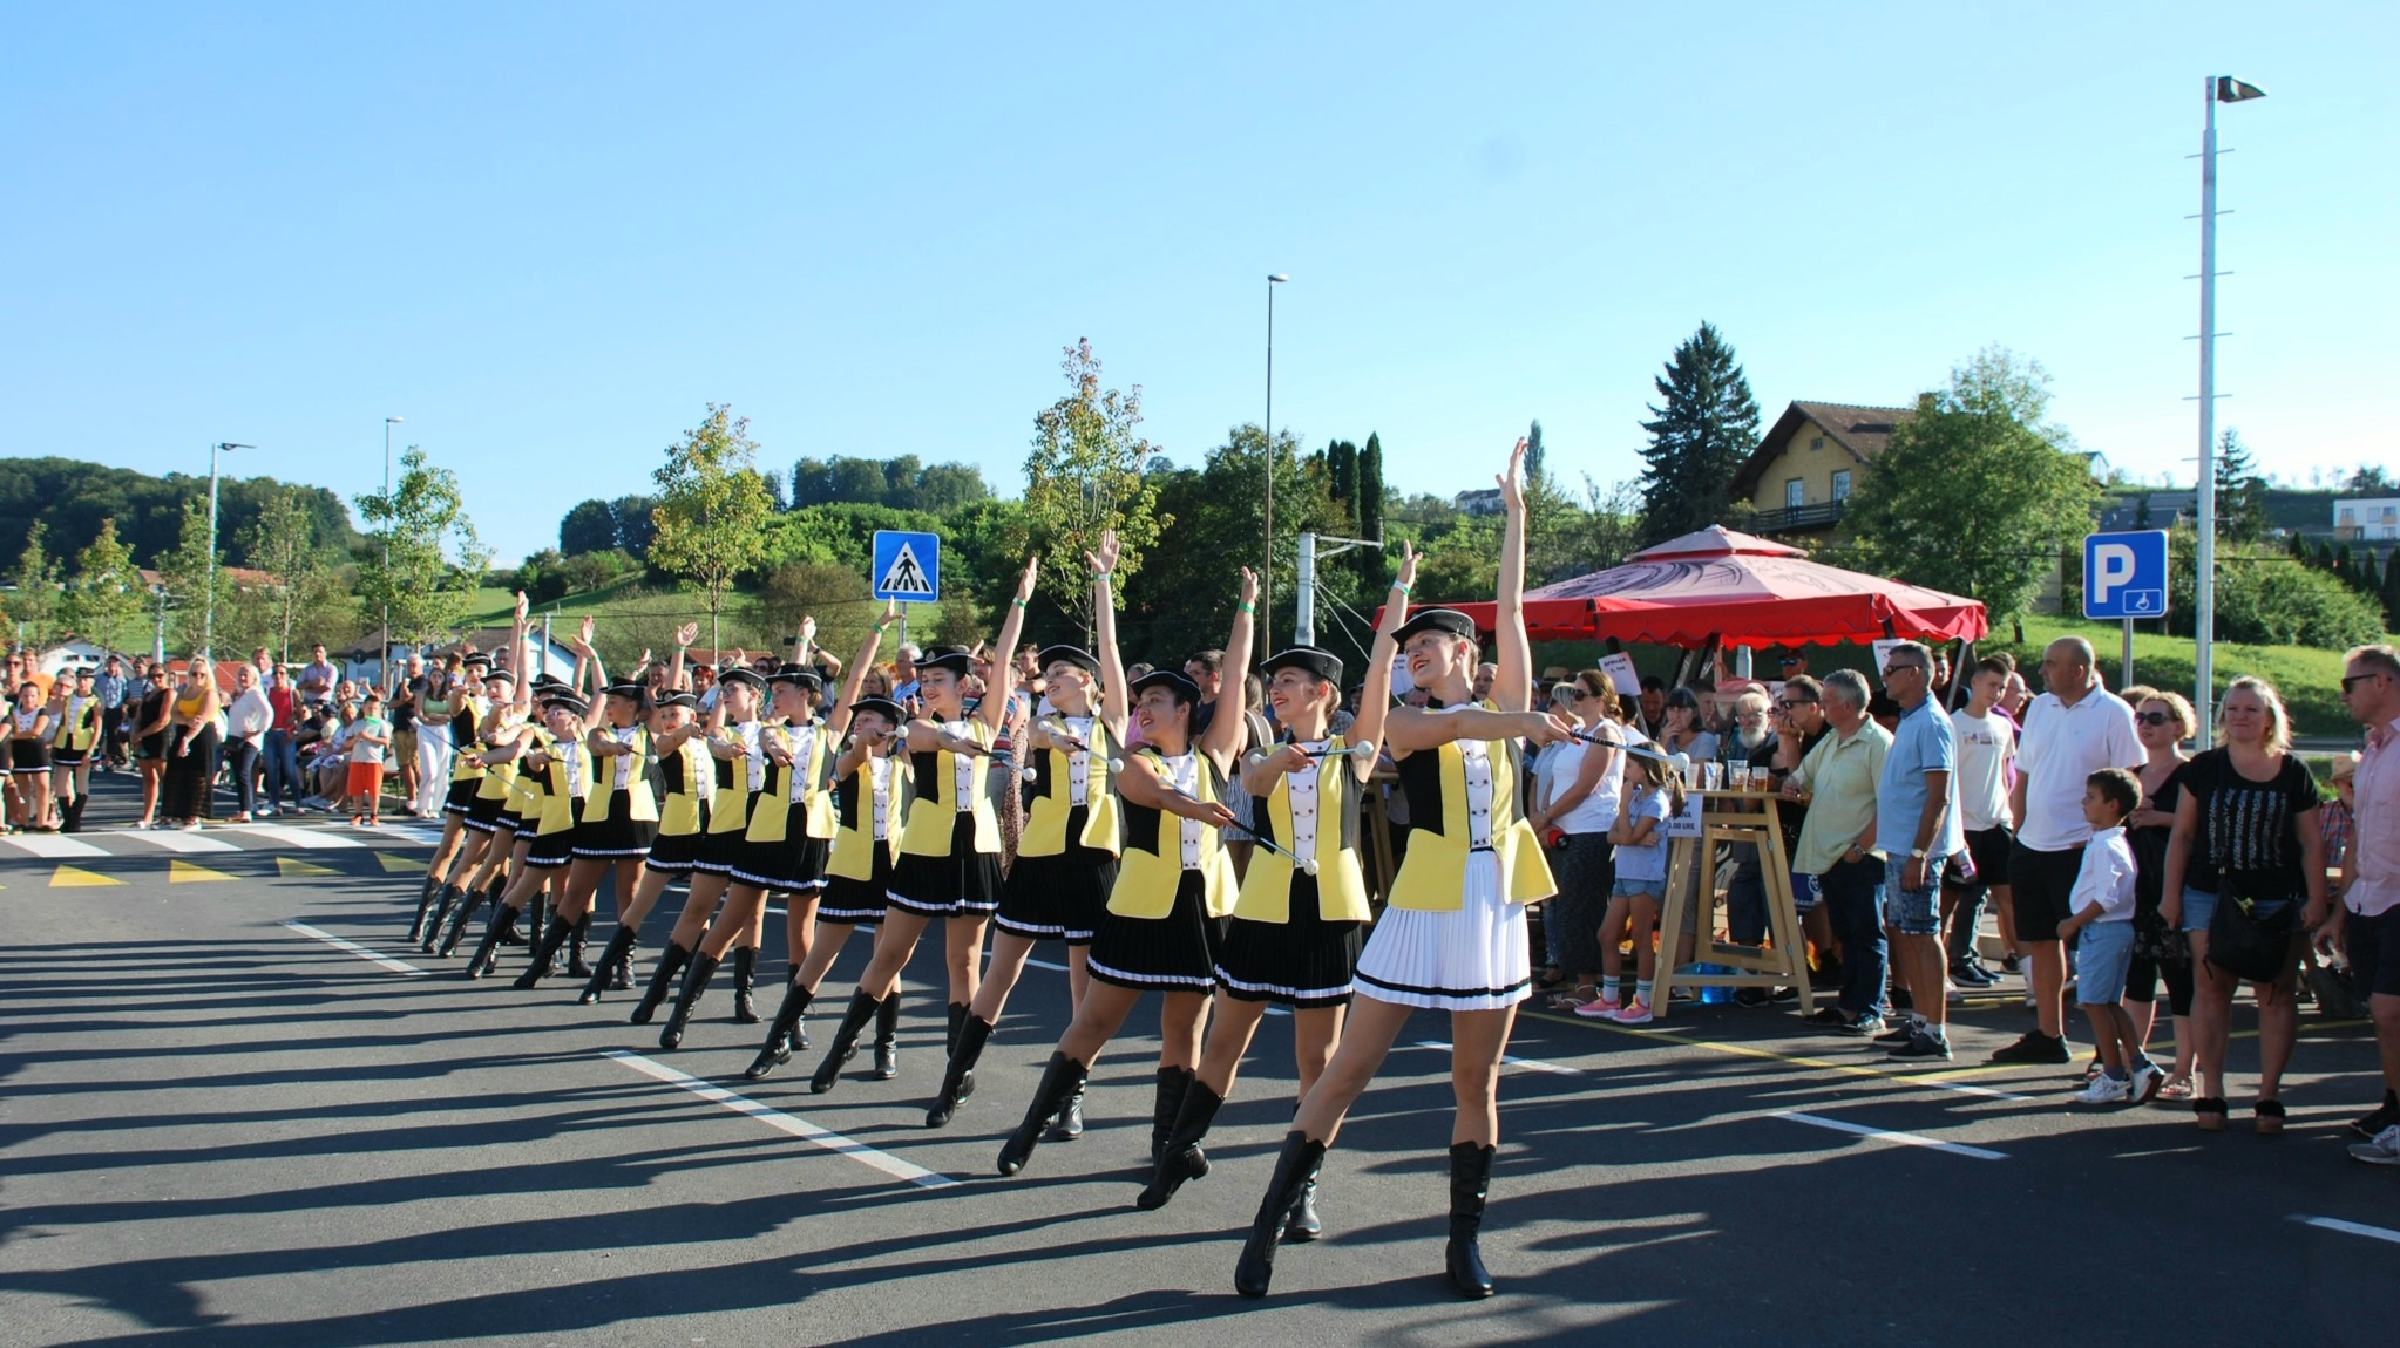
[
  {"x": 1890, "y": 670},
  {"x": 1789, "y": 705},
  {"x": 2350, "y": 682},
  {"x": 2153, "y": 718}
]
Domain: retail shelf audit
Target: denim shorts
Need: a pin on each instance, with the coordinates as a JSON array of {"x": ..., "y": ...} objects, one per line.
[
  {"x": 1912, "y": 912},
  {"x": 2103, "y": 952},
  {"x": 1637, "y": 888},
  {"x": 2199, "y": 905},
  {"x": 1805, "y": 894}
]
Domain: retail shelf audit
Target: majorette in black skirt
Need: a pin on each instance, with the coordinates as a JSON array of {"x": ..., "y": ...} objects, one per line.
[
  {"x": 851, "y": 902},
  {"x": 549, "y": 851},
  {"x": 1062, "y": 896},
  {"x": 461, "y": 797},
  {"x": 792, "y": 865},
  {"x": 617, "y": 835},
  {"x": 723, "y": 849},
  {"x": 958, "y": 884},
  {"x": 1306, "y": 962},
  {"x": 1174, "y": 953}
]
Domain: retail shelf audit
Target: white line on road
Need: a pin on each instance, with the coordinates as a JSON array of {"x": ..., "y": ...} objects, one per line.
[
  {"x": 52, "y": 845},
  {"x": 1529, "y": 1064},
  {"x": 179, "y": 840},
  {"x": 295, "y": 837},
  {"x": 1888, "y": 1135},
  {"x": 775, "y": 1118},
  {"x": 2349, "y": 1228},
  {"x": 354, "y": 948},
  {"x": 423, "y": 835}
]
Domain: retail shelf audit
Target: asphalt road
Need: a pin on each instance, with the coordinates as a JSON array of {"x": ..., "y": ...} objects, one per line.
[{"x": 217, "y": 1128}]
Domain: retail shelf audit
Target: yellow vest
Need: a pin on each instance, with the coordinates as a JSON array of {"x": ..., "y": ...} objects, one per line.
[
  {"x": 1150, "y": 868},
  {"x": 1431, "y": 879},
  {"x": 641, "y": 803},
  {"x": 854, "y": 807},
  {"x": 687, "y": 788},
  {"x": 498, "y": 779},
  {"x": 77, "y": 730},
  {"x": 935, "y": 811},
  {"x": 1053, "y": 801},
  {"x": 729, "y": 809},
  {"x": 465, "y": 724},
  {"x": 525, "y": 789},
  {"x": 1341, "y": 883},
  {"x": 798, "y": 784},
  {"x": 558, "y": 792}
]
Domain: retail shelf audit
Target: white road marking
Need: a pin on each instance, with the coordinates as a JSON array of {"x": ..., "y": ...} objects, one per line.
[
  {"x": 1529, "y": 1064},
  {"x": 178, "y": 840},
  {"x": 1889, "y": 1135},
  {"x": 2349, "y": 1228},
  {"x": 354, "y": 948},
  {"x": 295, "y": 837},
  {"x": 52, "y": 845},
  {"x": 423, "y": 835},
  {"x": 775, "y": 1118}
]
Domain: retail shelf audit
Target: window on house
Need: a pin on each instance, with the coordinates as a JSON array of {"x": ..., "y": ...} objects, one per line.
[
  {"x": 1816, "y": 442},
  {"x": 1841, "y": 484},
  {"x": 1794, "y": 494}
]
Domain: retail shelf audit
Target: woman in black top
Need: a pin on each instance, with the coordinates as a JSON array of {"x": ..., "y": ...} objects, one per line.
[
  {"x": 2246, "y": 832},
  {"x": 2162, "y": 721}
]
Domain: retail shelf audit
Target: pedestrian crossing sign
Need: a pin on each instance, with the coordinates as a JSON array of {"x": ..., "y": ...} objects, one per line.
[{"x": 907, "y": 567}]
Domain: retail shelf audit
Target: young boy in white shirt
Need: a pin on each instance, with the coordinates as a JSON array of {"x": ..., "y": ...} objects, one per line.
[{"x": 2102, "y": 904}]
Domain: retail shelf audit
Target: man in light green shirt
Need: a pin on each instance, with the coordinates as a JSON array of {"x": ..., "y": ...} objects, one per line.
[{"x": 1837, "y": 845}]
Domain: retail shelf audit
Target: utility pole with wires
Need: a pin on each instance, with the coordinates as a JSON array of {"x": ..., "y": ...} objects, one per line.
[{"x": 2220, "y": 89}]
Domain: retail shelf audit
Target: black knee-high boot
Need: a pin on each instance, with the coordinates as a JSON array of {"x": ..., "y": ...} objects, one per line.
[
  {"x": 617, "y": 948},
  {"x": 745, "y": 983},
  {"x": 1069, "y": 1124},
  {"x": 582, "y": 932},
  {"x": 620, "y": 974},
  {"x": 1059, "y": 1080},
  {"x": 1470, "y": 1182},
  {"x": 670, "y": 963},
  {"x": 887, "y": 1038},
  {"x": 545, "y": 954},
  {"x": 74, "y": 815},
  {"x": 695, "y": 982},
  {"x": 1304, "y": 1225},
  {"x": 468, "y": 903},
  {"x": 782, "y": 1033},
  {"x": 1173, "y": 1084},
  {"x": 542, "y": 918},
  {"x": 504, "y": 919},
  {"x": 972, "y": 1036},
  {"x": 1298, "y": 1163},
  {"x": 426, "y": 897},
  {"x": 444, "y": 899},
  {"x": 959, "y": 1016},
  {"x": 845, "y": 1042},
  {"x": 1181, "y": 1159}
]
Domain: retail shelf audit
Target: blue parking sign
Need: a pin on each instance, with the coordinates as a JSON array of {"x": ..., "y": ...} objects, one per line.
[
  {"x": 2125, "y": 574},
  {"x": 907, "y": 566}
]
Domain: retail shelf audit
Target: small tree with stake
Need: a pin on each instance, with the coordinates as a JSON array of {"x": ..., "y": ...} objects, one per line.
[{"x": 712, "y": 509}]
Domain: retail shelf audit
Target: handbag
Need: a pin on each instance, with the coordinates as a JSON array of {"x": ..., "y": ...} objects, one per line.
[{"x": 2251, "y": 937}]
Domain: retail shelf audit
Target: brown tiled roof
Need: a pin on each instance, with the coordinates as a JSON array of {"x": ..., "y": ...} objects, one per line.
[{"x": 1861, "y": 431}]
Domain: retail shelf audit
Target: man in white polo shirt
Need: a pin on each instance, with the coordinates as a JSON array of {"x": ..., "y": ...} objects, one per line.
[{"x": 2071, "y": 732}]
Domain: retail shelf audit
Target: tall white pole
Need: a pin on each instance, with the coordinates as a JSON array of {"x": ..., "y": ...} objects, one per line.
[
  {"x": 1304, "y": 600},
  {"x": 1266, "y": 575},
  {"x": 208, "y": 613},
  {"x": 2204, "y": 581},
  {"x": 383, "y": 658}
]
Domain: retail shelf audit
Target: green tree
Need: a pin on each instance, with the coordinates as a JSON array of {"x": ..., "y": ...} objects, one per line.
[
  {"x": 184, "y": 576},
  {"x": 2391, "y": 590},
  {"x": 1341, "y": 475},
  {"x": 712, "y": 508},
  {"x": 2241, "y": 491},
  {"x": 1698, "y": 438},
  {"x": 426, "y": 562},
  {"x": 1975, "y": 491},
  {"x": 1536, "y": 458},
  {"x": 635, "y": 528},
  {"x": 37, "y": 605},
  {"x": 1083, "y": 478},
  {"x": 1370, "y": 566},
  {"x": 838, "y": 597},
  {"x": 590, "y": 527},
  {"x": 104, "y": 601},
  {"x": 307, "y": 596}
]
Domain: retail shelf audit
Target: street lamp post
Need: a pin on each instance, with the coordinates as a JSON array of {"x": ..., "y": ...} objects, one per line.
[
  {"x": 208, "y": 612},
  {"x": 2221, "y": 89},
  {"x": 383, "y": 657},
  {"x": 1266, "y": 575}
]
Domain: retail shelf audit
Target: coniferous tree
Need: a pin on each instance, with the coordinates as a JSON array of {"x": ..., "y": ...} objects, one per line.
[
  {"x": 1534, "y": 456},
  {"x": 2391, "y": 590},
  {"x": 1371, "y": 569},
  {"x": 1341, "y": 468},
  {"x": 2241, "y": 491},
  {"x": 1698, "y": 439}
]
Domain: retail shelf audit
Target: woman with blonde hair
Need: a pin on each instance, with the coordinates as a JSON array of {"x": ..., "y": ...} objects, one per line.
[
  {"x": 2162, "y": 721},
  {"x": 192, "y": 741},
  {"x": 2244, "y": 853}
]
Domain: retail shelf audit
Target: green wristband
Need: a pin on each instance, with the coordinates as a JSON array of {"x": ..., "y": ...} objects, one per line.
[
  {"x": 1248, "y": 607},
  {"x": 1016, "y": 601}
]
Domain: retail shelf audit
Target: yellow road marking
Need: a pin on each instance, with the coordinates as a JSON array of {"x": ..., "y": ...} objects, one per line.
[
  {"x": 181, "y": 872},
  {"x": 76, "y": 877}
]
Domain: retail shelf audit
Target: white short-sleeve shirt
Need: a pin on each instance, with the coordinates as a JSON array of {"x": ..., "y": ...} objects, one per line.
[{"x": 2059, "y": 747}]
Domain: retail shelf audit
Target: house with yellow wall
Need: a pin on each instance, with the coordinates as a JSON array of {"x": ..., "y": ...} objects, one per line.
[{"x": 1799, "y": 479}]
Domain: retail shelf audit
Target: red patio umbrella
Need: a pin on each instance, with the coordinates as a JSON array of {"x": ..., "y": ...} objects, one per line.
[{"x": 1743, "y": 590}]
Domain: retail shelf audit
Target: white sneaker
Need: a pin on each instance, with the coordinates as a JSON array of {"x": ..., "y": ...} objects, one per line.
[
  {"x": 2146, "y": 1081},
  {"x": 2384, "y": 1150},
  {"x": 2104, "y": 1090}
]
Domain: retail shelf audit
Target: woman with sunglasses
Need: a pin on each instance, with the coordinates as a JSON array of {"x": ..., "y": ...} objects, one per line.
[
  {"x": 2162, "y": 721},
  {"x": 1454, "y": 936}
]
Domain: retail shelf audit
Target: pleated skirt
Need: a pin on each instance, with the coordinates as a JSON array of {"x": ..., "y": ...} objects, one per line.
[
  {"x": 961, "y": 883},
  {"x": 1475, "y": 958},
  {"x": 1175, "y": 953},
  {"x": 1306, "y": 962}
]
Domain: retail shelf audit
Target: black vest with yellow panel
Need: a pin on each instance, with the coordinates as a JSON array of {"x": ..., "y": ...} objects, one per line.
[
  {"x": 937, "y": 798},
  {"x": 628, "y": 772},
  {"x": 796, "y": 788},
  {"x": 496, "y": 727},
  {"x": 465, "y": 726},
  {"x": 688, "y": 777},
  {"x": 1444, "y": 830},
  {"x": 567, "y": 780},
  {"x": 1053, "y": 791},
  {"x": 78, "y": 725},
  {"x": 854, "y": 840},
  {"x": 525, "y": 788},
  {"x": 1266, "y": 894},
  {"x": 738, "y": 780},
  {"x": 1151, "y": 867}
]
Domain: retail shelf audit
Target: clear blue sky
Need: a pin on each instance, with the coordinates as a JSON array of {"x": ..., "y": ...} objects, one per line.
[{"x": 547, "y": 234}]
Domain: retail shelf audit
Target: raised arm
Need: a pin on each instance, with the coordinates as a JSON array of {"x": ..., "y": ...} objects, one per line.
[
  {"x": 1375, "y": 699},
  {"x": 520, "y": 654},
  {"x": 838, "y": 720},
  {"x": 1111, "y": 707},
  {"x": 1512, "y": 690},
  {"x": 1004, "y": 673},
  {"x": 1226, "y": 729},
  {"x": 1414, "y": 729},
  {"x": 684, "y": 637}
]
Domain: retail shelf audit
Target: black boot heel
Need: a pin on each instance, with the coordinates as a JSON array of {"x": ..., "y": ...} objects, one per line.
[
  {"x": 778, "y": 1048},
  {"x": 1297, "y": 1164},
  {"x": 845, "y": 1043},
  {"x": 972, "y": 1036},
  {"x": 745, "y": 984},
  {"x": 544, "y": 954},
  {"x": 695, "y": 982},
  {"x": 1181, "y": 1158},
  {"x": 1059, "y": 1080},
  {"x": 1470, "y": 1182},
  {"x": 887, "y": 1038},
  {"x": 576, "y": 968},
  {"x": 670, "y": 963},
  {"x": 486, "y": 953},
  {"x": 618, "y": 947}
]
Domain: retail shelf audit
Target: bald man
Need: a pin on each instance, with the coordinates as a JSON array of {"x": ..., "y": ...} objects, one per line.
[{"x": 2072, "y": 731}]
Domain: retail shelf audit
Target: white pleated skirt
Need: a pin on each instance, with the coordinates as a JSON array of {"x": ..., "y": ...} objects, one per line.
[{"x": 1473, "y": 959}]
